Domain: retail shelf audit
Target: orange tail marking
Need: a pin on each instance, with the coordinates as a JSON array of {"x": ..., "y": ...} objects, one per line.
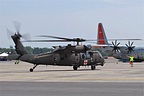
[{"x": 101, "y": 39}]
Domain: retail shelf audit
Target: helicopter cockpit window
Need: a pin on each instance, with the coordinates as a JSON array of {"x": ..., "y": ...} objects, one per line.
[
  {"x": 100, "y": 54},
  {"x": 83, "y": 56},
  {"x": 88, "y": 55}
]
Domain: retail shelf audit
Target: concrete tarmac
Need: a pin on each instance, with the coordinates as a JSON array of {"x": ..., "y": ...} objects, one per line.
[
  {"x": 110, "y": 72},
  {"x": 17, "y": 88},
  {"x": 112, "y": 79}
]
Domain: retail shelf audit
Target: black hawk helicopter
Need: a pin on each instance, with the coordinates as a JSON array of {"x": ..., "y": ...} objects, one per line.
[{"x": 70, "y": 55}]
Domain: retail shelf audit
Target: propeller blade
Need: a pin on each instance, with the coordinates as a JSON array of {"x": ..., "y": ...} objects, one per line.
[
  {"x": 126, "y": 45},
  {"x": 114, "y": 51},
  {"x": 118, "y": 43},
  {"x": 133, "y": 47},
  {"x": 112, "y": 43},
  {"x": 26, "y": 36},
  {"x": 115, "y": 42},
  {"x": 129, "y": 43},
  {"x": 132, "y": 44}
]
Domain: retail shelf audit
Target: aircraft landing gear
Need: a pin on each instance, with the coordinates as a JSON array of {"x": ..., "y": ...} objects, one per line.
[
  {"x": 17, "y": 62},
  {"x": 75, "y": 67},
  {"x": 31, "y": 69},
  {"x": 93, "y": 67}
]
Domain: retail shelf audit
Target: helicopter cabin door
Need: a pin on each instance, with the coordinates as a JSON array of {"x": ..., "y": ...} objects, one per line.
[{"x": 76, "y": 59}]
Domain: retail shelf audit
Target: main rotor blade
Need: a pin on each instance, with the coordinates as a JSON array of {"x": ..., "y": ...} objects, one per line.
[
  {"x": 45, "y": 41},
  {"x": 68, "y": 39}
]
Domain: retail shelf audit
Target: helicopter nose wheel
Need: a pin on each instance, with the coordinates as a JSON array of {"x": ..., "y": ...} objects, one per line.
[
  {"x": 93, "y": 67},
  {"x": 31, "y": 69}
]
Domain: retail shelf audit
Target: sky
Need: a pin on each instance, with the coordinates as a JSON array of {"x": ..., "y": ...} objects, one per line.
[{"x": 72, "y": 19}]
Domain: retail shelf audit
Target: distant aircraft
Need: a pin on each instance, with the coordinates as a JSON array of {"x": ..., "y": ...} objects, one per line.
[
  {"x": 3, "y": 57},
  {"x": 120, "y": 52}
]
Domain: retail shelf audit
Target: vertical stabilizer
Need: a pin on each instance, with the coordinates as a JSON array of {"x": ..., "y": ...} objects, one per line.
[
  {"x": 101, "y": 37},
  {"x": 18, "y": 45}
]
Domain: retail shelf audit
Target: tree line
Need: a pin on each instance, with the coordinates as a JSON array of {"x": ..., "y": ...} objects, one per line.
[{"x": 35, "y": 50}]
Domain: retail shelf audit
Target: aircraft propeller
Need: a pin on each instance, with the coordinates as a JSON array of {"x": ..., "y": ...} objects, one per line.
[
  {"x": 115, "y": 46},
  {"x": 130, "y": 47}
]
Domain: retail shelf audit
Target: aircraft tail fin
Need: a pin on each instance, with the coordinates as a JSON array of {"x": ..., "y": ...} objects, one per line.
[
  {"x": 101, "y": 36},
  {"x": 18, "y": 45}
]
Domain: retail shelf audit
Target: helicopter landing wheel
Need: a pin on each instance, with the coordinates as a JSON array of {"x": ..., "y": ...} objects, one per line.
[
  {"x": 75, "y": 67},
  {"x": 31, "y": 70},
  {"x": 93, "y": 67}
]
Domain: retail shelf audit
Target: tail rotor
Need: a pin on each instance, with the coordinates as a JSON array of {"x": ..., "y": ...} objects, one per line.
[{"x": 17, "y": 26}]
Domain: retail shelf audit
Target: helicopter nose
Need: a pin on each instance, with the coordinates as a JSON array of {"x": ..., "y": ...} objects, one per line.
[{"x": 102, "y": 61}]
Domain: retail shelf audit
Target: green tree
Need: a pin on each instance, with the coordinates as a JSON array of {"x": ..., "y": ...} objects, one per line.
[{"x": 29, "y": 49}]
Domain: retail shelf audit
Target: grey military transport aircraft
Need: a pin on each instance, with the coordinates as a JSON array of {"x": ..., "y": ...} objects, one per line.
[
  {"x": 70, "y": 55},
  {"x": 119, "y": 52}
]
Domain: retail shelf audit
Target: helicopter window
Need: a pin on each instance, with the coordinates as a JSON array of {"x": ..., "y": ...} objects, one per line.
[
  {"x": 83, "y": 56},
  {"x": 100, "y": 54},
  {"x": 87, "y": 55},
  {"x": 91, "y": 54}
]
